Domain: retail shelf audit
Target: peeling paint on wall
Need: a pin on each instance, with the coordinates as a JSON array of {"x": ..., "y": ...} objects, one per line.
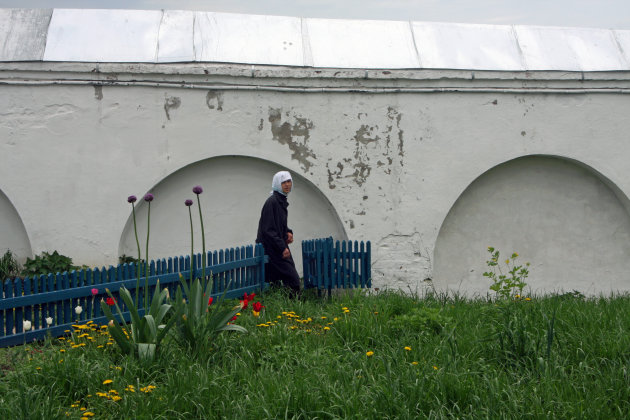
[
  {"x": 172, "y": 102},
  {"x": 371, "y": 143},
  {"x": 214, "y": 100},
  {"x": 295, "y": 134},
  {"x": 399, "y": 257}
]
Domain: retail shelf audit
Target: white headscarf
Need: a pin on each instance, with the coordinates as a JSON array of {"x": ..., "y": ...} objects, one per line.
[{"x": 278, "y": 179}]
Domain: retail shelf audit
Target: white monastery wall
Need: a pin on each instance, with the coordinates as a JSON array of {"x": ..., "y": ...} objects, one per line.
[{"x": 431, "y": 165}]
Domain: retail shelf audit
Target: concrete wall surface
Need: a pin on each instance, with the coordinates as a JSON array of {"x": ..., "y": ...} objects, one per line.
[{"x": 432, "y": 166}]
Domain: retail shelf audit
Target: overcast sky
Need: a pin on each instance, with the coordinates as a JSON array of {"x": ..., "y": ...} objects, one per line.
[{"x": 609, "y": 14}]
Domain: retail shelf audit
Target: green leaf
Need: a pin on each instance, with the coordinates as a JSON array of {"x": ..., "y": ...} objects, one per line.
[
  {"x": 164, "y": 308},
  {"x": 233, "y": 327},
  {"x": 158, "y": 298},
  {"x": 146, "y": 351},
  {"x": 133, "y": 311}
]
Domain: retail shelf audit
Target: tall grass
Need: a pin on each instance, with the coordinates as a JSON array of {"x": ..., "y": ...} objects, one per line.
[{"x": 435, "y": 357}]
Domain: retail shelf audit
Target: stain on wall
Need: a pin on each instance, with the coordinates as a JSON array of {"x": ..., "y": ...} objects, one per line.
[
  {"x": 214, "y": 100},
  {"x": 98, "y": 92},
  {"x": 171, "y": 102},
  {"x": 295, "y": 132}
]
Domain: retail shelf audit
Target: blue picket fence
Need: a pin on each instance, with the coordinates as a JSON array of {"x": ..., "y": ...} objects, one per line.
[
  {"x": 339, "y": 265},
  {"x": 55, "y": 296}
]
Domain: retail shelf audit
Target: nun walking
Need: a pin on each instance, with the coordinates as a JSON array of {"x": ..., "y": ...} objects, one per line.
[{"x": 275, "y": 235}]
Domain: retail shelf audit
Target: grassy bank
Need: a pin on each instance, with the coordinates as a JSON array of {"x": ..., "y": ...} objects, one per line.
[{"x": 382, "y": 355}]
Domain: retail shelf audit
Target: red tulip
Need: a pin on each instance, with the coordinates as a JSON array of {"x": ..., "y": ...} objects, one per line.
[
  {"x": 257, "y": 306},
  {"x": 110, "y": 301},
  {"x": 210, "y": 301}
]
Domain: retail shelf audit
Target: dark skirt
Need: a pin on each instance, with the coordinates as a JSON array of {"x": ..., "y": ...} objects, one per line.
[{"x": 282, "y": 271}]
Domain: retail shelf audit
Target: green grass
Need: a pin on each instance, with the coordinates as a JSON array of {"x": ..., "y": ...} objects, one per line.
[{"x": 551, "y": 357}]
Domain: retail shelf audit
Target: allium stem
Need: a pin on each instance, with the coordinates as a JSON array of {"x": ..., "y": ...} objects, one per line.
[
  {"x": 135, "y": 231},
  {"x": 203, "y": 243},
  {"x": 192, "y": 248}
]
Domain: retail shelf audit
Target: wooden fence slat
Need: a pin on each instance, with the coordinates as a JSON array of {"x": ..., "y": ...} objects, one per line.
[
  {"x": 9, "y": 316},
  {"x": 221, "y": 275},
  {"x": 19, "y": 312}
]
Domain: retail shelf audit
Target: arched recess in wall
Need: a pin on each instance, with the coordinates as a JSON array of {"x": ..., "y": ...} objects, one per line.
[
  {"x": 235, "y": 188},
  {"x": 567, "y": 219},
  {"x": 13, "y": 235}
]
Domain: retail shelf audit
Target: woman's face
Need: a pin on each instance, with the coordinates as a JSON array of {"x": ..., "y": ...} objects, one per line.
[{"x": 286, "y": 186}]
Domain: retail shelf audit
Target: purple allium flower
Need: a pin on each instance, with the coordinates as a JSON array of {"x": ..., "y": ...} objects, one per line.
[
  {"x": 197, "y": 189},
  {"x": 131, "y": 199},
  {"x": 148, "y": 197},
  {"x": 188, "y": 202}
]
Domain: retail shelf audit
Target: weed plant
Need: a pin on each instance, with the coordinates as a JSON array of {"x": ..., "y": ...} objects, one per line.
[
  {"x": 358, "y": 356},
  {"x": 9, "y": 267}
]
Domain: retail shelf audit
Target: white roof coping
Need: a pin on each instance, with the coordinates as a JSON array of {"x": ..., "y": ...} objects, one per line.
[{"x": 170, "y": 36}]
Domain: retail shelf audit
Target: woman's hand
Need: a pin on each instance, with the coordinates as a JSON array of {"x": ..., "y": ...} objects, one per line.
[
  {"x": 289, "y": 238},
  {"x": 286, "y": 253}
]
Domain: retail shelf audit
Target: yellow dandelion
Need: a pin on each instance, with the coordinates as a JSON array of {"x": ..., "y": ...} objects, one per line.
[
  {"x": 369, "y": 353},
  {"x": 414, "y": 363},
  {"x": 435, "y": 368},
  {"x": 326, "y": 328},
  {"x": 100, "y": 346},
  {"x": 116, "y": 398},
  {"x": 407, "y": 348},
  {"x": 375, "y": 313},
  {"x": 107, "y": 382},
  {"x": 279, "y": 317},
  {"x": 88, "y": 414},
  {"x": 62, "y": 338},
  {"x": 113, "y": 391},
  {"x": 528, "y": 298},
  {"x": 74, "y": 405}
]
